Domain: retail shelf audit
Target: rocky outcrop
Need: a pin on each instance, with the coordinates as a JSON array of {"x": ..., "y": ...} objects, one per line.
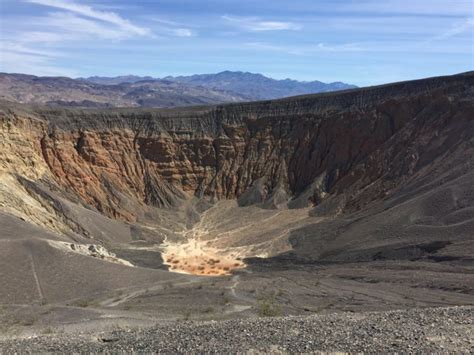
[
  {"x": 92, "y": 250},
  {"x": 352, "y": 147}
]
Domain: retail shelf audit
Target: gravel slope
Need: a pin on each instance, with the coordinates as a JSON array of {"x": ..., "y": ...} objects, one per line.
[{"x": 414, "y": 330}]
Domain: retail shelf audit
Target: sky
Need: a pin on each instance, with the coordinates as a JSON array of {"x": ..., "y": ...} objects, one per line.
[{"x": 362, "y": 42}]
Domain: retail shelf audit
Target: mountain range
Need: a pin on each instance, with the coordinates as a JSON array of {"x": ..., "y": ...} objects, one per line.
[
  {"x": 251, "y": 85},
  {"x": 136, "y": 91}
]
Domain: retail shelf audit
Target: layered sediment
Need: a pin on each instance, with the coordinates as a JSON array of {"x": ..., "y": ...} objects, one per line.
[{"x": 360, "y": 144}]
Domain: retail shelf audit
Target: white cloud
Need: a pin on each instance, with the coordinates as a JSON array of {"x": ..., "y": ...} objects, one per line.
[
  {"x": 73, "y": 27},
  {"x": 28, "y": 49},
  {"x": 456, "y": 29},
  {"x": 257, "y": 25},
  {"x": 346, "y": 47},
  {"x": 19, "y": 48},
  {"x": 164, "y": 21},
  {"x": 414, "y": 7},
  {"x": 367, "y": 47},
  {"x": 309, "y": 49},
  {"x": 182, "y": 32},
  {"x": 29, "y": 61},
  {"x": 172, "y": 28},
  {"x": 40, "y": 37},
  {"x": 276, "y": 48},
  {"x": 87, "y": 11}
]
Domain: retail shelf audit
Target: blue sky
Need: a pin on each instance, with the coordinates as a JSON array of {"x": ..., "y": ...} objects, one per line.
[{"x": 363, "y": 42}]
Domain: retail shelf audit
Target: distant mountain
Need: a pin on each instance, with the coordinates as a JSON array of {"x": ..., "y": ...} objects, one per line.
[
  {"x": 145, "y": 91},
  {"x": 250, "y": 85},
  {"x": 257, "y": 86},
  {"x": 62, "y": 91},
  {"x": 105, "y": 80}
]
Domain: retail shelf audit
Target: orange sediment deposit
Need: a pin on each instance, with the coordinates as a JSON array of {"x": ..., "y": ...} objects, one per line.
[{"x": 195, "y": 257}]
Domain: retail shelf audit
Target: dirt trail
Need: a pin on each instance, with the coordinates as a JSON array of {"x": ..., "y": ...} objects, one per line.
[
  {"x": 124, "y": 297},
  {"x": 237, "y": 307},
  {"x": 37, "y": 281}
]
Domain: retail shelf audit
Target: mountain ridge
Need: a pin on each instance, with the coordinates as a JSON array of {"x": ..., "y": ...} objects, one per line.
[
  {"x": 137, "y": 91},
  {"x": 67, "y": 92},
  {"x": 254, "y": 85}
]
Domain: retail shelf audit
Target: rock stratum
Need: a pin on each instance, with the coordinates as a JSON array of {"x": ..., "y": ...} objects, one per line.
[
  {"x": 350, "y": 148},
  {"x": 362, "y": 199}
]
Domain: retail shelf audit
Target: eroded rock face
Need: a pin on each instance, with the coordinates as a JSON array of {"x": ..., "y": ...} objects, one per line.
[{"x": 354, "y": 147}]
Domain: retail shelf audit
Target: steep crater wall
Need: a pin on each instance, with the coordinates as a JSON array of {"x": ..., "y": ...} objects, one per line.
[{"x": 350, "y": 148}]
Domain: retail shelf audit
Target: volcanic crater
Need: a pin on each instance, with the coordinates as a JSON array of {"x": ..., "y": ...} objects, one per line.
[{"x": 318, "y": 203}]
